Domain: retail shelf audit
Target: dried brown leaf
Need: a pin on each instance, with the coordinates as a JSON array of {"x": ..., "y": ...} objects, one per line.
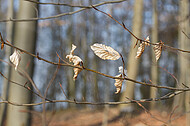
[
  {"x": 105, "y": 52},
  {"x": 148, "y": 40},
  {"x": 73, "y": 49},
  {"x": 2, "y": 45},
  {"x": 15, "y": 58},
  {"x": 118, "y": 84},
  {"x": 76, "y": 72},
  {"x": 142, "y": 46},
  {"x": 140, "y": 50},
  {"x": 2, "y": 42},
  {"x": 76, "y": 62},
  {"x": 158, "y": 50}
]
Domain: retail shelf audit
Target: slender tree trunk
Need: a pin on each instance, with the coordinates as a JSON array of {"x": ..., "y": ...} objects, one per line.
[
  {"x": 184, "y": 26},
  {"x": 154, "y": 71},
  {"x": 84, "y": 48},
  {"x": 132, "y": 66},
  {"x": 71, "y": 84},
  {"x": 25, "y": 37},
  {"x": 9, "y": 31},
  {"x": 184, "y": 59}
]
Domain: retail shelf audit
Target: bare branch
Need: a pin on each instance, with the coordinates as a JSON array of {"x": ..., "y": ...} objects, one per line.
[
  {"x": 138, "y": 39},
  {"x": 185, "y": 34},
  {"x": 60, "y": 15},
  {"x": 138, "y": 103},
  {"x": 63, "y": 90},
  {"x": 79, "y": 6},
  {"x": 70, "y": 65},
  {"x": 167, "y": 96},
  {"x": 21, "y": 85}
]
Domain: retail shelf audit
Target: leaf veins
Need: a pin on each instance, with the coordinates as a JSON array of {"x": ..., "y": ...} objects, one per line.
[{"x": 105, "y": 52}]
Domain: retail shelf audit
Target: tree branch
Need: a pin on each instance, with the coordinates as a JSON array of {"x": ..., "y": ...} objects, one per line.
[{"x": 60, "y": 15}]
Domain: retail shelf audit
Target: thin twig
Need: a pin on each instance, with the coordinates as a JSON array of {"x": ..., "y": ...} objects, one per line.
[
  {"x": 138, "y": 39},
  {"x": 138, "y": 103},
  {"x": 185, "y": 34},
  {"x": 69, "y": 5},
  {"x": 170, "y": 74},
  {"x": 168, "y": 96},
  {"x": 171, "y": 114},
  {"x": 63, "y": 90},
  {"x": 21, "y": 85},
  {"x": 60, "y": 15},
  {"x": 46, "y": 91},
  {"x": 70, "y": 65}
]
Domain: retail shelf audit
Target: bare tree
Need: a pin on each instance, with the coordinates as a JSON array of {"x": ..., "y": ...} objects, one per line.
[
  {"x": 154, "y": 71},
  {"x": 184, "y": 69},
  {"x": 9, "y": 30},
  {"x": 132, "y": 66},
  {"x": 183, "y": 58},
  {"x": 25, "y": 38}
]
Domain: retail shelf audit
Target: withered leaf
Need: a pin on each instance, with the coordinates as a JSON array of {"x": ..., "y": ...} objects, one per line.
[
  {"x": 118, "y": 84},
  {"x": 141, "y": 48},
  {"x": 158, "y": 50},
  {"x": 2, "y": 42},
  {"x": 15, "y": 58},
  {"x": 105, "y": 52},
  {"x": 76, "y": 62},
  {"x": 76, "y": 72}
]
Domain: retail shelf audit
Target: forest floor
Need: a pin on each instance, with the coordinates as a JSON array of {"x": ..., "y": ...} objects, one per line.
[{"x": 89, "y": 117}]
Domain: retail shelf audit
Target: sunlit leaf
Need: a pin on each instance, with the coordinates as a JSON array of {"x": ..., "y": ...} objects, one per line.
[
  {"x": 15, "y": 58},
  {"x": 118, "y": 84},
  {"x": 73, "y": 49},
  {"x": 158, "y": 50},
  {"x": 141, "y": 48},
  {"x": 76, "y": 72},
  {"x": 76, "y": 62},
  {"x": 121, "y": 70},
  {"x": 105, "y": 52}
]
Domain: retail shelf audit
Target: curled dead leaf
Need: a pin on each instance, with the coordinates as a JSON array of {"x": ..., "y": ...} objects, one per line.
[
  {"x": 15, "y": 58},
  {"x": 140, "y": 50},
  {"x": 76, "y": 72},
  {"x": 158, "y": 50},
  {"x": 105, "y": 52},
  {"x": 76, "y": 62},
  {"x": 142, "y": 46},
  {"x": 118, "y": 84},
  {"x": 148, "y": 40}
]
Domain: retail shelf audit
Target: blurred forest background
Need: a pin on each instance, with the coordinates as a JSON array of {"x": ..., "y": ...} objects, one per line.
[{"x": 165, "y": 20}]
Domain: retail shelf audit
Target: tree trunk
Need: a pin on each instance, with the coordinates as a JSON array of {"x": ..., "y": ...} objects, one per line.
[
  {"x": 132, "y": 66},
  {"x": 184, "y": 26},
  {"x": 25, "y": 37},
  {"x": 71, "y": 84},
  {"x": 154, "y": 71},
  {"x": 183, "y": 100},
  {"x": 9, "y": 31}
]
